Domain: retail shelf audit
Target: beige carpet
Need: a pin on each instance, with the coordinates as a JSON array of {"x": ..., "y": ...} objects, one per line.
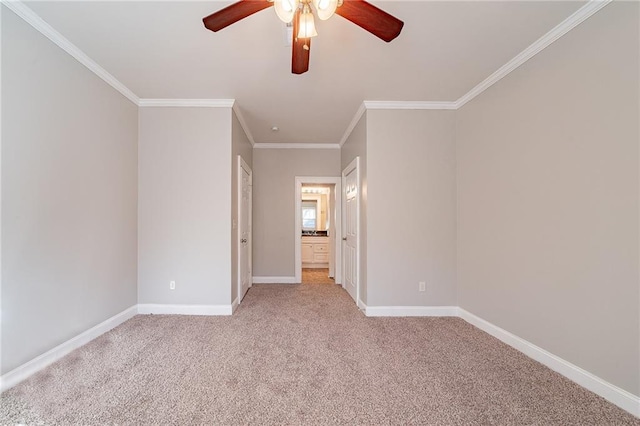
[{"x": 301, "y": 354}]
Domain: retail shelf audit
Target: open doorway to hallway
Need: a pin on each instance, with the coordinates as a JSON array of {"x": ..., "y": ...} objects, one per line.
[{"x": 318, "y": 229}]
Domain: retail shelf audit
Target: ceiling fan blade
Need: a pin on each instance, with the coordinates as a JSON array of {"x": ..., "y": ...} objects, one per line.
[
  {"x": 300, "y": 50},
  {"x": 367, "y": 16},
  {"x": 233, "y": 13}
]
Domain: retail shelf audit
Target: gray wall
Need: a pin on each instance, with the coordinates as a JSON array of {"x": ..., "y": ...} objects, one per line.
[
  {"x": 184, "y": 205},
  {"x": 356, "y": 146},
  {"x": 411, "y": 212},
  {"x": 68, "y": 196},
  {"x": 548, "y": 199},
  {"x": 274, "y": 172},
  {"x": 240, "y": 145}
]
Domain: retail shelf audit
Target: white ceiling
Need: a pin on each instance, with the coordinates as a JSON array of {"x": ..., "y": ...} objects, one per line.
[{"x": 162, "y": 50}]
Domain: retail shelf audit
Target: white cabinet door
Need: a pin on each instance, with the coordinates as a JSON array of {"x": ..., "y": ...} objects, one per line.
[{"x": 307, "y": 253}]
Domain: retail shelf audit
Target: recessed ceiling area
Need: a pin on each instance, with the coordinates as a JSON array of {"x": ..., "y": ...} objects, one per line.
[{"x": 161, "y": 50}]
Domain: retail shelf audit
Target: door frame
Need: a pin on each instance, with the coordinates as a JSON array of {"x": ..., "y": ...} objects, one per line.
[
  {"x": 353, "y": 165},
  {"x": 242, "y": 165},
  {"x": 314, "y": 180}
]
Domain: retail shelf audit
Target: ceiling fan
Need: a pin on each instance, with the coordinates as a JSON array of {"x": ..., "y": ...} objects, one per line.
[{"x": 300, "y": 12}]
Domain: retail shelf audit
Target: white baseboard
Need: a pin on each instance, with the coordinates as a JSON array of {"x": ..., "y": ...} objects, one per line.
[
  {"x": 362, "y": 306},
  {"x": 22, "y": 372},
  {"x": 411, "y": 311},
  {"x": 234, "y": 304},
  {"x": 275, "y": 280},
  {"x": 157, "y": 309},
  {"x": 620, "y": 397}
]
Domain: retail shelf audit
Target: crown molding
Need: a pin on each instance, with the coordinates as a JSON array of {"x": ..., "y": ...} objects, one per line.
[
  {"x": 408, "y": 105},
  {"x": 579, "y": 16},
  {"x": 297, "y": 146},
  {"x": 243, "y": 123},
  {"x": 30, "y": 17},
  {"x": 201, "y": 103},
  {"x": 582, "y": 14},
  {"x": 543, "y": 42},
  {"x": 198, "y": 103},
  {"x": 354, "y": 122},
  {"x": 416, "y": 105}
]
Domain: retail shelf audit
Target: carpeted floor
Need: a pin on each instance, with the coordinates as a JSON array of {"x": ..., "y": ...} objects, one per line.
[
  {"x": 316, "y": 276},
  {"x": 301, "y": 354}
]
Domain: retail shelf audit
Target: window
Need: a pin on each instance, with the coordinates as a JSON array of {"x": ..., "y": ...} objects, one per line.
[{"x": 309, "y": 215}]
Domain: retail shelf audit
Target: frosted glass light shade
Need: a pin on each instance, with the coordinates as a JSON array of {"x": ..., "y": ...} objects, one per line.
[
  {"x": 307, "y": 27},
  {"x": 285, "y": 9},
  {"x": 325, "y": 8}
]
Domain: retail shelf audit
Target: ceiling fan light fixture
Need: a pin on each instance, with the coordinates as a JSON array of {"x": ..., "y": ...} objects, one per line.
[
  {"x": 325, "y": 8},
  {"x": 300, "y": 13},
  {"x": 285, "y": 9},
  {"x": 307, "y": 26}
]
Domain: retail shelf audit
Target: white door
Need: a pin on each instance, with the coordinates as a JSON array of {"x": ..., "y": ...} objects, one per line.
[
  {"x": 351, "y": 183},
  {"x": 244, "y": 232}
]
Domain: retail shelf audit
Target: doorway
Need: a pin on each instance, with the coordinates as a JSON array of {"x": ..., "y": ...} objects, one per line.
[{"x": 318, "y": 226}]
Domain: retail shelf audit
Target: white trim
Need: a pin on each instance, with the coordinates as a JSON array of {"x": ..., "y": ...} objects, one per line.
[
  {"x": 352, "y": 125},
  {"x": 30, "y": 17},
  {"x": 297, "y": 229},
  {"x": 197, "y": 103},
  {"x": 419, "y": 105},
  {"x": 26, "y": 370},
  {"x": 620, "y": 397},
  {"x": 409, "y": 105},
  {"x": 275, "y": 280},
  {"x": 160, "y": 309},
  {"x": 582, "y": 14},
  {"x": 242, "y": 165},
  {"x": 411, "y": 311},
  {"x": 297, "y": 146},
  {"x": 243, "y": 123},
  {"x": 543, "y": 42},
  {"x": 234, "y": 305}
]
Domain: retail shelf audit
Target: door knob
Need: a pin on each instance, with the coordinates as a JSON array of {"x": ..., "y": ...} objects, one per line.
[{"x": 344, "y": 238}]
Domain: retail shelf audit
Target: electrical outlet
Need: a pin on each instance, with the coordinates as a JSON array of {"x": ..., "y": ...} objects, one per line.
[
  {"x": 172, "y": 285},
  {"x": 422, "y": 286}
]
